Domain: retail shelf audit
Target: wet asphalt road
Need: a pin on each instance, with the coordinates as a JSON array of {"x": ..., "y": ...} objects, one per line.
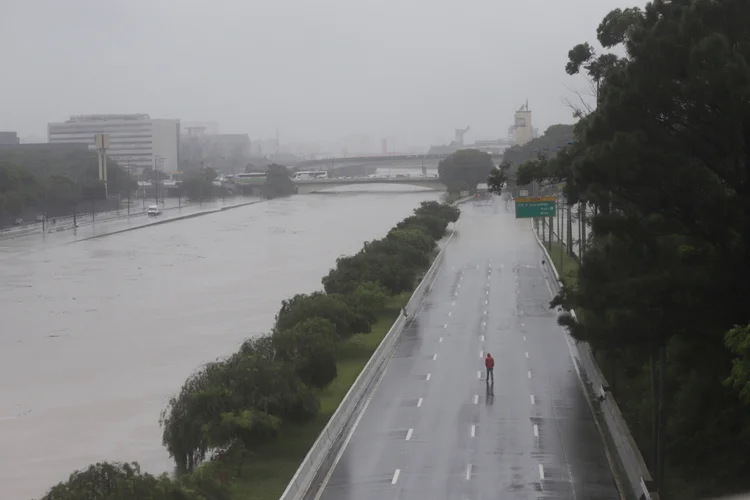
[{"x": 435, "y": 429}]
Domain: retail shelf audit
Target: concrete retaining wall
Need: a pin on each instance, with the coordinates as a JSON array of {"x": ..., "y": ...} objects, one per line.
[
  {"x": 634, "y": 477},
  {"x": 319, "y": 459}
]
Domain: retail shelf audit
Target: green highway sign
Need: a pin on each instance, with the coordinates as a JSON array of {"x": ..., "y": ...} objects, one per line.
[{"x": 537, "y": 206}]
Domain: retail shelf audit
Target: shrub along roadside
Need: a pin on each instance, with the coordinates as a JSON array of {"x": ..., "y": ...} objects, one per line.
[{"x": 277, "y": 391}]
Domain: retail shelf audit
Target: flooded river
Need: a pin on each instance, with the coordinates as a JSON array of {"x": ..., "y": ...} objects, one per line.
[{"x": 95, "y": 335}]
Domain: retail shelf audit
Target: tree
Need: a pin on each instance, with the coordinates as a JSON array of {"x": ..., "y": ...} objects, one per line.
[
  {"x": 554, "y": 138},
  {"x": 278, "y": 182},
  {"x": 464, "y": 169},
  {"x": 434, "y": 225},
  {"x": 450, "y": 213},
  {"x": 368, "y": 300},
  {"x": 302, "y": 307},
  {"x": 310, "y": 346},
  {"x": 199, "y": 185},
  {"x": 665, "y": 276},
  {"x": 414, "y": 236},
  {"x": 61, "y": 194},
  {"x": 125, "y": 481},
  {"x": 498, "y": 178},
  {"x": 18, "y": 188}
]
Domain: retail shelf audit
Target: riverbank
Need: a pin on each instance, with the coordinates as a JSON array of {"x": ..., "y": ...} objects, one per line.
[
  {"x": 164, "y": 220},
  {"x": 267, "y": 478}
]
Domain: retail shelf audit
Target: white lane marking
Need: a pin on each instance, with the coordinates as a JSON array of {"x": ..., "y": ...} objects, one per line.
[
  {"x": 445, "y": 325},
  {"x": 548, "y": 288},
  {"x": 398, "y": 473},
  {"x": 536, "y": 431},
  {"x": 459, "y": 285},
  {"x": 473, "y": 431},
  {"x": 454, "y": 303},
  {"x": 455, "y": 294},
  {"x": 541, "y": 471},
  {"x": 484, "y": 324},
  {"x": 533, "y": 400},
  {"x": 524, "y": 338},
  {"x": 487, "y": 292},
  {"x": 476, "y": 399},
  {"x": 479, "y": 374},
  {"x": 348, "y": 438},
  {"x": 528, "y": 374},
  {"x": 468, "y": 472},
  {"x": 450, "y": 313},
  {"x": 527, "y": 355},
  {"x": 485, "y": 312},
  {"x": 434, "y": 357},
  {"x": 481, "y": 354},
  {"x": 522, "y": 324},
  {"x": 482, "y": 338},
  {"x": 409, "y": 433},
  {"x": 419, "y": 403},
  {"x": 429, "y": 375},
  {"x": 486, "y": 302},
  {"x": 441, "y": 339}
]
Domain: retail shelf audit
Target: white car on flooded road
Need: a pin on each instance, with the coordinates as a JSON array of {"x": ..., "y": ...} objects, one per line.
[{"x": 154, "y": 210}]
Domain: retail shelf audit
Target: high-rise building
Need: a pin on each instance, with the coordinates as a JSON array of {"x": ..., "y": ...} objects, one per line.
[
  {"x": 523, "y": 132},
  {"x": 136, "y": 140}
]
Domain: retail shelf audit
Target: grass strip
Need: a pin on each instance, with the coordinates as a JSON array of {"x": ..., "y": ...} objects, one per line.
[
  {"x": 567, "y": 266},
  {"x": 266, "y": 474}
]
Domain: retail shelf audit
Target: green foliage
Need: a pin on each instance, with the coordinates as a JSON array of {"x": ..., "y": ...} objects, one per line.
[
  {"x": 18, "y": 188},
  {"x": 498, "y": 178},
  {"x": 125, "y": 481},
  {"x": 310, "y": 347},
  {"x": 278, "y": 182},
  {"x": 555, "y": 138},
  {"x": 450, "y": 213},
  {"x": 302, "y": 307},
  {"x": 464, "y": 169},
  {"x": 663, "y": 162},
  {"x": 368, "y": 300},
  {"x": 198, "y": 185},
  {"x": 434, "y": 224}
]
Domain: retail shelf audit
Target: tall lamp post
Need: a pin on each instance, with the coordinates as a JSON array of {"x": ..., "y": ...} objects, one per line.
[{"x": 158, "y": 160}]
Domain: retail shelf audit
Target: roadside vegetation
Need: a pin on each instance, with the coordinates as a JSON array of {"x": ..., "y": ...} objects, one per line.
[
  {"x": 240, "y": 426},
  {"x": 661, "y": 161}
]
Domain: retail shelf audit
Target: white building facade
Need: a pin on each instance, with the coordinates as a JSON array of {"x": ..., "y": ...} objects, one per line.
[{"x": 135, "y": 140}]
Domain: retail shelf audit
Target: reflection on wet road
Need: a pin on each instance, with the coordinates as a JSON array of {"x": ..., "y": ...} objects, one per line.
[
  {"x": 436, "y": 429},
  {"x": 97, "y": 334}
]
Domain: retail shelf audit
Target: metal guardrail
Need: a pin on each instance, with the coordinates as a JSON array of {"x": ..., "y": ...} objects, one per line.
[
  {"x": 333, "y": 436},
  {"x": 638, "y": 478}
]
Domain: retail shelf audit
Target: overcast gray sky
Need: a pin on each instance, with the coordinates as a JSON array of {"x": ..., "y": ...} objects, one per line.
[{"x": 318, "y": 70}]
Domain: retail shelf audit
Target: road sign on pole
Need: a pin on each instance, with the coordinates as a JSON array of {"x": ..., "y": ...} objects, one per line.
[{"x": 537, "y": 206}]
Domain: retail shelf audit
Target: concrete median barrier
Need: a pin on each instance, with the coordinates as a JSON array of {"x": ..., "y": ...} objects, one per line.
[{"x": 633, "y": 477}]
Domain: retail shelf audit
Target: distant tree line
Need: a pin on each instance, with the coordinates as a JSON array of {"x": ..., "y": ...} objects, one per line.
[
  {"x": 55, "y": 182},
  {"x": 230, "y": 407}
]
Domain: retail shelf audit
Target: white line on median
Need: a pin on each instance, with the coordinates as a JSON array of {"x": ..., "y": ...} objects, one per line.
[
  {"x": 397, "y": 473},
  {"x": 476, "y": 399},
  {"x": 541, "y": 471},
  {"x": 473, "y": 431},
  {"x": 429, "y": 375},
  {"x": 468, "y": 472},
  {"x": 536, "y": 431},
  {"x": 419, "y": 403},
  {"x": 533, "y": 400},
  {"x": 409, "y": 433}
]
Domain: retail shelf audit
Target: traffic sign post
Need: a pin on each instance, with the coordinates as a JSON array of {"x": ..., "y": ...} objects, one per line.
[{"x": 536, "y": 206}]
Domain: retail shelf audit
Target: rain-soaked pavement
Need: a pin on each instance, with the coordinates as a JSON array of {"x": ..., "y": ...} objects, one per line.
[
  {"x": 435, "y": 429},
  {"x": 97, "y": 334}
]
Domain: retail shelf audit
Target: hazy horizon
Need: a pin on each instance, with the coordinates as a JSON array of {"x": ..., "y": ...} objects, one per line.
[{"x": 410, "y": 70}]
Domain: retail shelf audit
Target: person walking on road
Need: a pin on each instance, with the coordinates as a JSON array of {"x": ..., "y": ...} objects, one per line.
[{"x": 489, "y": 363}]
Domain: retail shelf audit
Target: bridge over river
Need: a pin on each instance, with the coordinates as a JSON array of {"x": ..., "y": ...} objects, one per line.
[{"x": 314, "y": 185}]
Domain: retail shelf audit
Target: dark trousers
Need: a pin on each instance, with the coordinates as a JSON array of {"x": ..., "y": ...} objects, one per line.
[{"x": 491, "y": 374}]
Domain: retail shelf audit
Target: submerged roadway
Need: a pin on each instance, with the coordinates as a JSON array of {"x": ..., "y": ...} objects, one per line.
[{"x": 435, "y": 429}]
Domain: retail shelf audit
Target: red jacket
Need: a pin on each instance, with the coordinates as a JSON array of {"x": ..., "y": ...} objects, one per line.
[{"x": 489, "y": 361}]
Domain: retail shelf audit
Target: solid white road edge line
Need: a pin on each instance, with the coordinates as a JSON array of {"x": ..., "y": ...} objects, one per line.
[{"x": 398, "y": 473}]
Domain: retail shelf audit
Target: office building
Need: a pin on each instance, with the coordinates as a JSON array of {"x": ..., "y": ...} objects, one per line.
[
  {"x": 9, "y": 138},
  {"x": 136, "y": 140}
]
